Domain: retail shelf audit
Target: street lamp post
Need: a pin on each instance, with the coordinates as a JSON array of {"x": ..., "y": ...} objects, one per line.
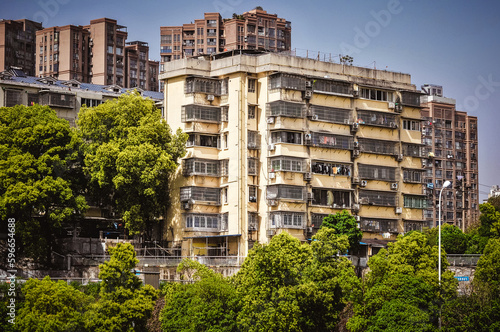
[{"x": 446, "y": 184}]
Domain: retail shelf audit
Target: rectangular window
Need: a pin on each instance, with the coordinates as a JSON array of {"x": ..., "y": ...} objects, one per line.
[
  {"x": 283, "y": 163},
  {"x": 320, "y": 167},
  {"x": 287, "y": 219},
  {"x": 203, "y": 222},
  {"x": 252, "y": 194},
  {"x": 374, "y": 94},
  {"x": 379, "y": 198},
  {"x": 379, "y": 225},
  {"x": 200, "y": 113},
  {"x": 332, "y": 198},
  {"x": 412, "y": 176},
  {"x": 200, "y": 195},
  {"x": 281, "y": 191},
  {"x": 411, "y": 125},
  {"x": 415, "y": 202},
  {"x": 211, "y": 141},
  {"x": 326, "y": 140},
  {"x": 251, "y": 84},
  {"x": 166, "y": 39},
  {"x": 284, "y": 108},
  {"x": 374, "y": 172},
  {"x": 286, "y": 137},
  {"x": 202, "y": 85},
  {"x": 253, "y": 166},
  {"x": 330, "y": 114},
  {"x": 251, "y": 111},
  {"x": 253, "y": 139},
  {"x": 287, "y": 81},
  {"x": 377, "y": 146},
  {"x": 412, "y": 150}
]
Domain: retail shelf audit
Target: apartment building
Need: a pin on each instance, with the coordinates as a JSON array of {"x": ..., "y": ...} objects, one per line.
[
  {"x": 95, "y": 53},
  {"x": 66, "y": 97},
  {"x": 142, "y": 72},
  {"x": 450, "y": 137},
  {"x": 17, "y": 44},
  {"x": 278, "y": 142},
  {"x": 255, "y": 29}
]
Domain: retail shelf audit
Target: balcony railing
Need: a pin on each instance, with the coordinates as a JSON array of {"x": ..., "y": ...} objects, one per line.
[{"x": 463, "y": 260}]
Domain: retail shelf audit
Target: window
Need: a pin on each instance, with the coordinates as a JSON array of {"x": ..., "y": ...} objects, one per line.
[
  {"x": 253, "y": 165},
  {"x": 411, "y": 125},
  {"x": 413, "y": 226},
  {"x": 251, "y": 84},
  {"x": 205, "y": 167},
  {"x": 379, "y": 225},
  {"x": 283, "y": 163},
  {"x": 415, "y": 202},
  {"x": 320, "y": 167},
  {"x": 377, "y": 118},
  {"x": 377, "y": 146},
  {"x": 200, "y": 113},
  {"x": 286, "y": 137},
  {"x": 110, "y": 49},
  {"x": 412, "y": 175},
  {"x": 253, "y": 139},
  {"x": 281, "y": 191},
  {"x": 412, "y": 150},
  {"x": 252, "y": 194},
  {"x": 331, "y": 197},
  {"x": 326, "y": 140},
  {"x": 202, "y": 85},
  {"x": 200, "y": 195},
  {"x": 287, "y": 81},
  {"x": 224, "y": 195},
  {"x": 373, "y": 172},
  {"x": 284, "y": 108},
  {"x": 374, "y": 94},
  {"x": 12, "y": 97},
  {"x": 331, "y": 114},
  {"x": 377, "y": 198},
  {"x": 166, "y": 39},
  {"x": 166, "y": 49},
  {"x": 251, "y": 111},
  {"x": 90, "y": 102},
  {"x": 211, "y": 141},
  {"x": 203, "y": 222},
  {"x": 287, "y": 219}
]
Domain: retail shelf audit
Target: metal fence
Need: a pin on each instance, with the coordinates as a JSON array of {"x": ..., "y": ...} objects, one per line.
[{"x": 463, "y": 260}]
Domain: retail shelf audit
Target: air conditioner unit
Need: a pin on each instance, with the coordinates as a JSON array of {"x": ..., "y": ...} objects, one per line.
[
  {"x": 394, "y": 186},
  {"x": 355, "y": 207},
  {"x": 308, "y": 94},
  {"x": 450, "y": 156},
  {"x": 355, "y": 180},
  {"x": 354, "y": 126},
  {"x": 210, "y": 97},
  {"x": 399, "y": 157},
  {"x": 307, "y": 137},
  {"x": 309, "y": 229},
  {"x": 399, "y": 210},
  {"x": 398, "y": 108},
  {"x": 270, "y": 119},
  {"x": 272, "y": 175},
  {"x": 187, "y": 205},
  {"x": 356, "y": 144},
  {"x": 391, "y": 105},
  {"x": 309, "y": 84},
  {"x": 307, "y": 176},
  {"x": 252, "y": 227},
  {"x": 272, "y": 202},
  {"x": 355, "y": 94},
  {"x": 355, "y": 153},
  {"x": 315, "y": 117},
  {"x": 271, "y": 147},
  {"x": 358, "y": 218},
  {"x": 393, "y": 125},
  {"x": 310, "y": 196},
  {"x": 271, "y": 232},
  {"x": 363, "y": 183}
]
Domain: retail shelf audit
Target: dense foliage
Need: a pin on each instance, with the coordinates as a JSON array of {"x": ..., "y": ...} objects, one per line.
[{"x": 345, "y": 224}]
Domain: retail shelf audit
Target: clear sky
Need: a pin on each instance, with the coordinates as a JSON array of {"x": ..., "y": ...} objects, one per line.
[{"x": 454, "y": 43}]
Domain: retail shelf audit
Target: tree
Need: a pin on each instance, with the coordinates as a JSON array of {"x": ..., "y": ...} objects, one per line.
[
  {"x": 495, "y": 201},
  {"x": 345, "y": 224},
  {"x": 40, "y": 184},
  {"x": 208, "y": 304},
  {"x": 453, "y": 240},
  {"x": 489, "y": 221},
  {"x": 130, "y": 153},
  {"x": 124, "y": 304},
  {"x": 52, "y": 306},
  {"x": 289, "y": 286},
  {"x": 403, "y": 276}
]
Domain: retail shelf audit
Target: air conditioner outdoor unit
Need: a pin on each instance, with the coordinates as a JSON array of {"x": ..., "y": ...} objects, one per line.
[
  {"x": 399, "y": 157},
  {"x": 272, "y": 202},
  {"x": 307, "y": 137},
  {"x": 307, "y": 176},
  {"x": 309, "y": 84},
  {"x": 271, "y": 232},
  {"x": 399, "y": 210},
  {"x": 355, "y": 179},
  {"x": 272, "y": 175},
  {"x": 355, "y": 126},
  {"x": 310, "y": 196},
  {"x": 355, "y": 94},
  {"x": 363, "y": 183},
  {"x": 394, "y": 186},
  {"x": 355, "y": 207},
  {"x": 391, "y": 105},
  {"x": 308, "y": 94},
  {"x": 210, "y": 97},
  {"x": 270, "y": 119},
  {"x": 187, "y": 205},
  {"x": 271, "y": 147},
  {"x": 356, "y": 144},
  {"x": 315, "y": 117},
  {"x": 393, "y": 125},
  {"x": 358, "y": 218},
  {"x": 355, "y": 153}
]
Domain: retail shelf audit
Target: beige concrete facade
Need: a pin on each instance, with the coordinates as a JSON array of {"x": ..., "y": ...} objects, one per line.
[
  {"x": 451, "y": 141},
  {"x": 278, "y": 142}
]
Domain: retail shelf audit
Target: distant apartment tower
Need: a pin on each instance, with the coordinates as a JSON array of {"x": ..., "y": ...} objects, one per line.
[
  {"x": 450, "y": 137},
  {"x": 142, "y": 72},
  {"x": 17, "y": 44},
  {"x": 255, "y": 29},
  {"x": 95, "y": 53}
]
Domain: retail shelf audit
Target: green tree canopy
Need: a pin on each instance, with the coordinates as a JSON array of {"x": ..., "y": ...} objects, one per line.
[
  {"x": 129, "y": 154},
  {"x": 40, "y": 183},
  {"x": 345, "y": 224},
  {"x": 124, "y": 304},
  {"x": 403, "y": 275},
  {"x": 52, "y": 306},
  {"x": 489, "y": 221}
]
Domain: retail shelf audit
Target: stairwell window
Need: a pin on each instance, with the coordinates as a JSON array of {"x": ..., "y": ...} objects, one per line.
[{"x": 251, "y": 84}]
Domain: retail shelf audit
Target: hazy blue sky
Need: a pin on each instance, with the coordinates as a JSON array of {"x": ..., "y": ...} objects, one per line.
[{"x": 454, "y": 43}]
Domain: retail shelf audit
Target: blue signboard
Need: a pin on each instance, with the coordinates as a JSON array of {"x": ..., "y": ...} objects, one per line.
[{"x": 462, "y": 278}]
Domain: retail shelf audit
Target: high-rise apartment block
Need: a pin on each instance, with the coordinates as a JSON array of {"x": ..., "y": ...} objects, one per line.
[
  {"x": 278, "y": 142},
  {"x": 255, "y": 29},
  {"x": 95, "y": 53},
  {"x": 450, "y": 137},
  {"x": 17, "y": 45}
]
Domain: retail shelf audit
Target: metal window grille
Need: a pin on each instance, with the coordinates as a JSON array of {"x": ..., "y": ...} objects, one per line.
[
  {"x": 283, "y": 163},
  {"x": 377, "y": 198},
  {"x": 286, "y": 192},
  {"x": 251, "y": 84},
  {"x": 327, "y": 140},
  {"x": 415, "y": 202},
  {"x": 13, "y": 98},
  {"x": 410, "y": 98},
  {"x": 57, "y": 99},
  {"x": 317, "y": 219},
  {"x": 253, "y": 221},
  {"x": 379, "y": 225},
  {"x": 203, "y": 222},
  {"x": 211, "y": 141},
  {"x": 375, "y": 172},
  {"x": 377, "y": 146},
  {"x": 32, "y": 99},
  {"x": 224, "y": 113},
  {"x": 203, "y": 167},
  {"x": 287, "y": 81},
  {"x": 284, "y": 108},
  {"x": 200, "y": 194},
  {"x": 288, "y": 219},
  {"x": 202, "y": 85},
  {"x": 331, "y": 86},
  {"x": 375, "y": 94},
  {"x": 412, "y": 150},
  {"x": 200, "y": 113},
  {"x": 412, "y": 176},
  {"x": 332, "y": 198},
  {"x": 331, "y": 114},
  {"x": 377, "y": 118},
  {"x": 253, "y": 166},
  {"x": 414, "y": 226},
  {"x": 253, "y": 139},
  {"x": 291, "y": 137}
]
